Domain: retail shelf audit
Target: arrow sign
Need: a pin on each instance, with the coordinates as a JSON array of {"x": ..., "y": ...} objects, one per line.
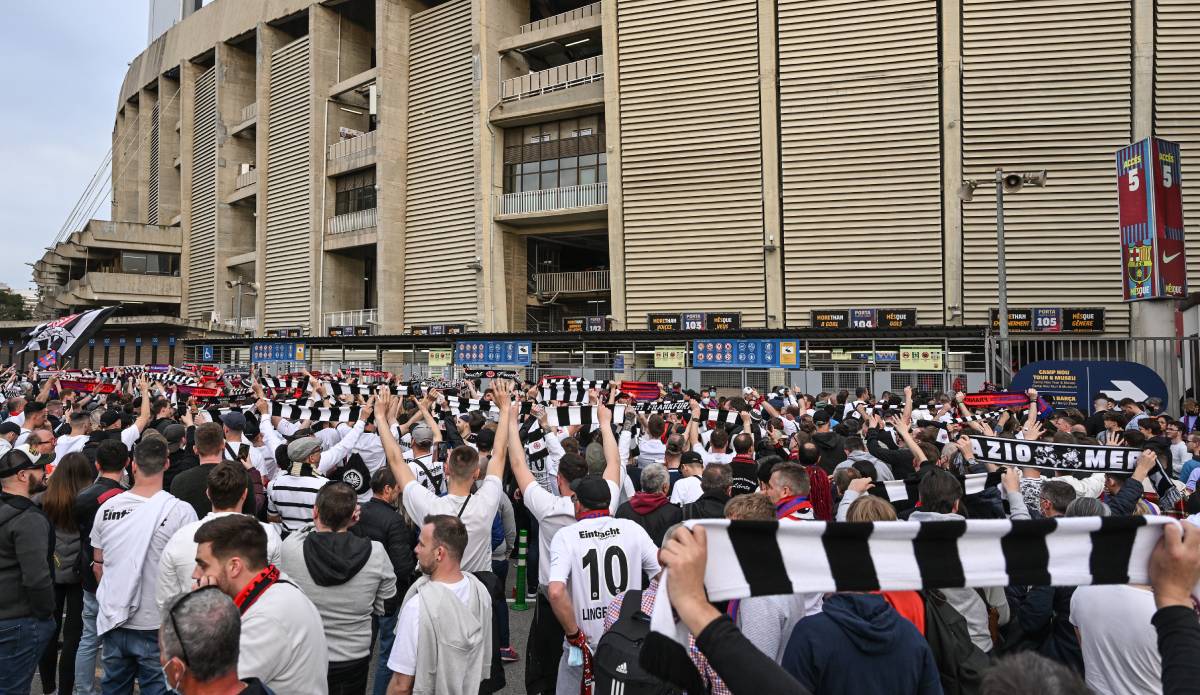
[{"x": 1125, "y": 389}]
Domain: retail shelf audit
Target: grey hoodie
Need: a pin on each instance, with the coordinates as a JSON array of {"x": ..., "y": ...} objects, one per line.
[
  {"x": 883, "y": 471},
  {"x": 454, "y": 640},
  {"x": 967, "y": 601}
]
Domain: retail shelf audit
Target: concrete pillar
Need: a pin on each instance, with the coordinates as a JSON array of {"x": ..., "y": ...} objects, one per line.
[
  {"x": 497, "y": 20},
  {"x": 270, "y": 40},
  {"x": 612, "y": 127},
  {"x": 188, "y": 72},
  {"x": 952, "y": 166},
  {"x": 126, "y": 145},
  {"x": 392, "y": 20},
  {"x": 140, "y": 172},
  {"x": 768, "y": 105},
  {"x": 324, "y": 35},
  {"x": 235, "y": 224},
  {"x": 169, "y": 192}
]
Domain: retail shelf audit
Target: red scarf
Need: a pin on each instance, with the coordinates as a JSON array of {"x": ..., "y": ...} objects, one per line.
[
  {"x": 591, "y": 514},
  {"x": 786, "y": 506},
  {"x": 251, "y": 592}
]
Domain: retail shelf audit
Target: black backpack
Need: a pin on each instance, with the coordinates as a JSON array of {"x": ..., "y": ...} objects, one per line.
[
  {"x": 961, "y": 664},
  {"x": 615, "y": 663}
]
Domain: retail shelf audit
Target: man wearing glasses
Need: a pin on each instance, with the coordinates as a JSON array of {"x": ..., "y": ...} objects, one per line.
[{"x": 198, "y": 645}]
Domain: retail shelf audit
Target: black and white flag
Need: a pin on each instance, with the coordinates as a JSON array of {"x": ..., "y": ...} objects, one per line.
[
  {"x": 68, "y": 334},
  {"x": 759, "y": 558},
  {"x": 903, "y": 493}
]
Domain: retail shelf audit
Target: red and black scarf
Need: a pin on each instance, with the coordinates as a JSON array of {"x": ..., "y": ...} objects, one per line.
[{"x": 260, "y": 583}]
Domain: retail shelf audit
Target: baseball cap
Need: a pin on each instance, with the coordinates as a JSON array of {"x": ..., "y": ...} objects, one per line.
[
  {"x": 821, "y": 416},
  {"x": 592, "y": 492},
  {"x": 251, "y": 429},
  {"x": 691, "y": 457},
  {"x": 17, "y": 460},
  {"x": 421, "y": 433},
  {"x": 9, "y": 427},
  {"x": 301, "y": 449},
  {"x": 234, "y": 420},
  {"x": 108, "y": 417},
  {"x": 174, "y": 433}
]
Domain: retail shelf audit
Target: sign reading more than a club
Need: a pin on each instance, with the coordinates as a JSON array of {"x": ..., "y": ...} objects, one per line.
[
  {"x": 1149, "y": 193},
  {"x": 662, "y": 322}
]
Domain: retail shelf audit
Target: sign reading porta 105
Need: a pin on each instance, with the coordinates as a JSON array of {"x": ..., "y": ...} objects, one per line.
[{"x": 1149, "y": 184}]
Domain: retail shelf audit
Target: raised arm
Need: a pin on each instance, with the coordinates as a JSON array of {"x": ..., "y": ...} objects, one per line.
[
  {"x": 516, "y": 453},
  {"x": 143, "y": 417},
  {"x": 612, "y": 455},
  {"x": 503, "y": 392},
  {"x": 388, "y": 407},
  {"x": 693, "y": 427}
]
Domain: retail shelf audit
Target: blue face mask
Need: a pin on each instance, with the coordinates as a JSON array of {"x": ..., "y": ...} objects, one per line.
[{"x": 167, "y": 679}]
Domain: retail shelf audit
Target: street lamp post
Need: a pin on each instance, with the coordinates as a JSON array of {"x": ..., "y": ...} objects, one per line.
[
  {"x": 237, "y": 302},
  {"x": 1010, "y": 182}
]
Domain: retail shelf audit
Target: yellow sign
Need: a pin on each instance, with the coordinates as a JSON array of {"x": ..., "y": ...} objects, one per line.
[
  {"x": 788, "y": 353},
  {"x": 673, "y": 357},
  {"x": 440, "y": 358},
  {"x": 926, "y": 358}
]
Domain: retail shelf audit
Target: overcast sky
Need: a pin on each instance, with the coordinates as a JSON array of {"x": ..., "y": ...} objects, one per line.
[{"x": 64, "y": 62}]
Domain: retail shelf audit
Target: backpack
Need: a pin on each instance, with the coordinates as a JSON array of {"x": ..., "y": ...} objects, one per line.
[
  {"x": 615, "y": 662},
  {"x": 961, "y": 664}
]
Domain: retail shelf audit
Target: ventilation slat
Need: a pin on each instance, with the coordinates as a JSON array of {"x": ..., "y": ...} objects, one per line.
[{"x": 202, "y": 237}]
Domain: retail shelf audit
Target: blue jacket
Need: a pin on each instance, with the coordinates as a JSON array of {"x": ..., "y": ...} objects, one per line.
[{"x": 860, "y": 644}]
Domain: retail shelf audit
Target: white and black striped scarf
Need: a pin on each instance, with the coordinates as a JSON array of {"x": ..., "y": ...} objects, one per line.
[
  {"x": 903, "y": 493},
  {"x": 759, "y": 558}
]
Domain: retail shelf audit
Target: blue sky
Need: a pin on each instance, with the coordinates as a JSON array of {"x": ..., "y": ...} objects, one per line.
[{"x": 65, "y": 60}]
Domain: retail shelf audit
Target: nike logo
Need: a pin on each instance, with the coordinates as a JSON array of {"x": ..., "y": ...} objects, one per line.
[{"x": 1168, "y": 259}]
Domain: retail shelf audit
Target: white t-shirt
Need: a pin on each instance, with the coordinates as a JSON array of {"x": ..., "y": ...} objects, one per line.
[
  {"x": 711, "y": 457},
  {"x": 477, "y": 512},
  {"x": 111, "y": 514},
  {"x": 129, "y": 435},
  {"x": 1120, "y": 646},
  {"x": 403, "y": 658},
  {"x": 178, "y": 559},
  {"x": 599, "y": 559},
  {"x": 686, "y": 490},
  {"x": 283, "y": 642},
  {"x": 1179, "y": 456},
  {"x": 69, "y": 444},
  {"x": 555, "y": 512},
  {"x": 436, "y": 469}
]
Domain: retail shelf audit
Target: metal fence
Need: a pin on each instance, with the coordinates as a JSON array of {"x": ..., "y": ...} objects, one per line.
[
  {"x": 592, "y": 10},
  {"x": 1175, "y": 360},
  {"x": 552, "y": 199},
  {"x": 553, "y": 79}
]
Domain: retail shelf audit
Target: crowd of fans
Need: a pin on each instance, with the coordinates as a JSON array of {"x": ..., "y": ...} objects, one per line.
[{"x": 149, "y": 538}]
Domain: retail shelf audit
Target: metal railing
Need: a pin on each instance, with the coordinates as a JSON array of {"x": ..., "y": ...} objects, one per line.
[
  {"x": 352, "y": 221},
  {"x": 550, "y": 199},
  {"x": 248, "y": 178},
  {"x": 249, "y": 111},
  {"x": 354, "y": 317},
  {"x": 357, "y": 146},
  {"x": 572, "y": 283},
  {"x": 592, "y": 10},
  {"x": 247, "y": 324},
  {"x": 554, "y": 79}
]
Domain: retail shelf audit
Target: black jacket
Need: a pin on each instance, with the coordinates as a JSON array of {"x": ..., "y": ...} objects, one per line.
[
  {"x": 381, "y": 522},
  {"x": 1044, "y": 615},
  {"x": 1179, "y": 646},
  {"x": 87, "y": 503},
  {"x": 26, "y": 558},
  {"x": 711, "y": 505},
  {"x": 655, "y": 522},
  {"x": 832, "y": 447},
  {"x": 900, "y": 460}
]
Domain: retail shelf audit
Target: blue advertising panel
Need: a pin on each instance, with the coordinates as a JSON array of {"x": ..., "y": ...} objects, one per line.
[
  {"x": 1067, "y": 384},
  {"x": 744, "y": 353},
  {"x": 277, "y": 352},
  {"x": 490, "y": 353}
]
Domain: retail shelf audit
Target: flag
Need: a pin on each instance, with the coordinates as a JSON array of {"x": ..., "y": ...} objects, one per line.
[
  {"x": 48, "y": 360},
  {"x": 66, "y": 335}
]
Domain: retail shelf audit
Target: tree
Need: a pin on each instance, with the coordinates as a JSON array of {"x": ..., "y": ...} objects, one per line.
[{"x": 12, "y": 306}]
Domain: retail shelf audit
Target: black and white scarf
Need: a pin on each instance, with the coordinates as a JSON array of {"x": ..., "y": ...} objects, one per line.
[
  {"x": 903, "y": 493},
  {"x": 763, "y": 558}
]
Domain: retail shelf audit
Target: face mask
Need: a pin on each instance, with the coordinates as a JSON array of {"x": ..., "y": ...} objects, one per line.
[{"x": 167, "y": 679}]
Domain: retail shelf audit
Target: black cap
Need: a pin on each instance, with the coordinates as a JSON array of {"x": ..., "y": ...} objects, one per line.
[
  {"x": 690, "y": 457},
  {"x": 592, "y": 492},
  {"x": 16, "y": 461},
  {"x": 108, "y": 417},
  {"x": 820, "y": 416}
]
